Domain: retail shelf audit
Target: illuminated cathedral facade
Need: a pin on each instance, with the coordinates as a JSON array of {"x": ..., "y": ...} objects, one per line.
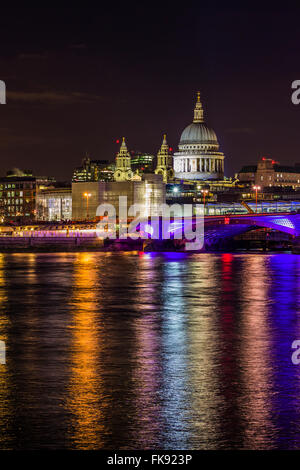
[{"x": 198, "y": 157}]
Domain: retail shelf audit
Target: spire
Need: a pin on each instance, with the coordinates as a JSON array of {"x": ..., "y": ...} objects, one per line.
[
  {"x": 123, "y": 149},
  {"x": 123, "y": 163},
  {"x": 198, "y": 112},
  {"x": 123, "y": 145},
  {"x": 164, "y": 161},
  {"x": 164, "y": 149}
]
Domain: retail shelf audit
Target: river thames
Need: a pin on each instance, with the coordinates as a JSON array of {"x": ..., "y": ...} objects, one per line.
[{"x": 149, "y": 351}]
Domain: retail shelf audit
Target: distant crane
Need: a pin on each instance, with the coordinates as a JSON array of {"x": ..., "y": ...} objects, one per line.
[{"x": 251, "y": 211}]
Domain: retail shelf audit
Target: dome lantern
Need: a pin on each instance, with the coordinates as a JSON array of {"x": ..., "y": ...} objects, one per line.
[{"x": 198, "y": 111}]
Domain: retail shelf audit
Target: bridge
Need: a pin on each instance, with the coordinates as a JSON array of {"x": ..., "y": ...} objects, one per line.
[
  {"x": 220, "y": 227},
  {"x": 216, "y": 229},
  {"x": 227, "y": 225},
  {"x": 284, "y": 222}
]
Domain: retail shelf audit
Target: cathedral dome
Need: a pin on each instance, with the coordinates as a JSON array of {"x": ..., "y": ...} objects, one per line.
[
  {"x": 198, "y": 157},
  {"x": 198, "y": 133}
]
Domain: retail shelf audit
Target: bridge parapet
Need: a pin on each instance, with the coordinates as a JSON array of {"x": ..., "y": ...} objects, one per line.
[{"x": 288, "y": 223}]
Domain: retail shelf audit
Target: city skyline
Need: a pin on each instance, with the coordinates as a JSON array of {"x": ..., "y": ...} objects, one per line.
[
  {"x": 93, "y": 77},
  {"x": 149, "y": 230}
]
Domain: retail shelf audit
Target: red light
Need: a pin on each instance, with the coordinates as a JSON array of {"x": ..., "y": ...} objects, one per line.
[
  {"x": 117, "y": 141},
  {"x": 227, "y": 257},
  {"x": 227, "y": 220},
  {"x": 170, "y": 148},
  {"x": 273, "y": 162}
]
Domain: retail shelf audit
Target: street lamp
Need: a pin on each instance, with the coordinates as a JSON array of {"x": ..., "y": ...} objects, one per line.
[
  {"x": 257, "y": 188},
  {"x": 87, "y": 196},
  {"x": 204, "y": 192}
]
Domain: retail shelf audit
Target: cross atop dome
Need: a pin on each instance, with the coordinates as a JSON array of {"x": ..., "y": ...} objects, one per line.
[{"x": 198, "y": 111}]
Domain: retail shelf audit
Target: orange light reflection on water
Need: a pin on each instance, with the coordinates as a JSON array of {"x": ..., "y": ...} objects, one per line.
[
  {"x": 255, "y": 361},
  {"x": 86, "y": 398}
]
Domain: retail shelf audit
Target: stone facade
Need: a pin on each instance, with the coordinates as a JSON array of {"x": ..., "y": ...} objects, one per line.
[
  {"x": 150, "y": 192},
  {"x": 268, "y": 173}
]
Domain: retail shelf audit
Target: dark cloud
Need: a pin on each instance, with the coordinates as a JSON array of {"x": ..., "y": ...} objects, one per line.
[{"x": 51, "y": 97}]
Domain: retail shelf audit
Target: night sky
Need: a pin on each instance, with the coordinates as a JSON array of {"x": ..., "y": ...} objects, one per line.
[{"x": 79, "y": 78}]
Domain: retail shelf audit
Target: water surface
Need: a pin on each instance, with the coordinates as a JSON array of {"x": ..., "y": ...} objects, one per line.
[{"x": 144, "y": 351}]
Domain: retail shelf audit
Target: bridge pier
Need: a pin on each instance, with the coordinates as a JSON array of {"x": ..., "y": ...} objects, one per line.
[{"x": 296, "y": 245}]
